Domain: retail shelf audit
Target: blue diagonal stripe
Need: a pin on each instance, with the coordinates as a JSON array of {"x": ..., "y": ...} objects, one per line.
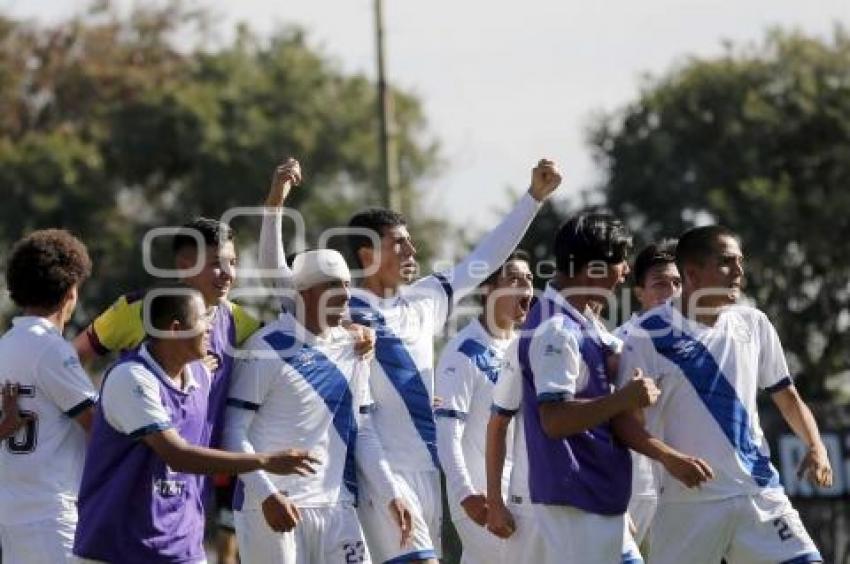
[
  {"x": 402, "y": 373},
  {"x": 484, "y": 358},
  {"x": 715, "y": 391},
  {"x": 331, "y": 385}
]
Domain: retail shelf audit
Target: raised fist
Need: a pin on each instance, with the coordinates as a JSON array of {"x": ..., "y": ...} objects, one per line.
[{"x": 545, "y": 177}]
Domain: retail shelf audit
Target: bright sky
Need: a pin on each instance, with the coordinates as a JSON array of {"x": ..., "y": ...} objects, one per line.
[{"x": 504, "y": 83}]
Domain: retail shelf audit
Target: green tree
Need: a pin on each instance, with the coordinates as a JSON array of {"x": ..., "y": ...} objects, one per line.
[
  {"x": 110, "y": 126},
  {"x": 759, "y": 140}
]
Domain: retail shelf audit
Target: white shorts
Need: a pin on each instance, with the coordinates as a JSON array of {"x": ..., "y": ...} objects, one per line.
[
  {"x": 325, "y": 535},
  {"x": 642, "y": 512},
  {"x": 42, "y": 542},
  {"x": 480, "y": 546},
  {"x": 421, "y": 492},
  {"x": 575, "y": 535},
  {"x": 760, "y": 529},
  {"x": 526, "y": 544}
]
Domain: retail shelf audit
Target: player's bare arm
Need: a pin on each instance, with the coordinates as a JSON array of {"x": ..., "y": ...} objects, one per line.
[
  {"x": 500, "y": 522},
  {"x": 85, "y": 350},
  {"x": 815, "y": 464},
  {"x": 562, "y": 419},
  {"x": 182, "y": 456},
  {"x": 690, "y": 470}
]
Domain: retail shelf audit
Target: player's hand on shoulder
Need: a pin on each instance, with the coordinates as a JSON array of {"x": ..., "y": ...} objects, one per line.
[
  {"x": 363, "y": 337},
  {"x": 640, "y": 391},
  {"x": 815, "y": 466},
  {"x": 545, "y": 178},
  {"x": 280, "y": 512},
  {"x": 291, "y": 461},
  {"x": 401, "y": 514},
  {"x": 475, "y": 507},
  {"x": 689, "y": 470},
  {"x": 500, "y": 522}
]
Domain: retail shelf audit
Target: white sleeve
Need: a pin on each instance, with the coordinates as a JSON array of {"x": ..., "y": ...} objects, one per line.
[
  {"x": 555, "y": 361},
  {"x": 369, "y": 452},
  {"x": 507, "y": 393},
  {"x": 63, "y": 379},
  {"x": 272, "y": 257},
  {"x": 773, "y": 372},
  {"x": 249, "y": 386},
  {"x": 490, "y": 253},
  {"x": 455, "y": 385},
  {"x": 131, "y": 401},
  {"x": 235, "y": 436},
  {"x": 635, "y": 356},
  {"x": 250, "y": 382}
]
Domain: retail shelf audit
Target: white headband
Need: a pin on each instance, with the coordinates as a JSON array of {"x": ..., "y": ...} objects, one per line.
[{"x": 315, "y": 267}]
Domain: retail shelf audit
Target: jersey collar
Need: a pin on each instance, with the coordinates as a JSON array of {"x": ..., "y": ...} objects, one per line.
[
  {"x": 191, "y": 383},
  {"x": 35, "y": 321}
]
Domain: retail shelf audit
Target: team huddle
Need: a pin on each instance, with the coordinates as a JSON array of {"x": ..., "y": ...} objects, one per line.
[{"x": 560, "y": 442}]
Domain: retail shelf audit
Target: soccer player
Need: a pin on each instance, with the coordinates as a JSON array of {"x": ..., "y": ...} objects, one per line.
[
  {"x": 506, "y": 449},
  {"x": 466, "y": 373},
  {"x": 711, "y": 356},
  {"x": 141, "y": 494},
  {"x": 579, "y": 475},
  {"x": 304, "y": 385},
  {"x": 48, "y": 409},
  {"x": 120, "y": 327},
  {"x": 656, "y": 280},
  {"x": 406, "y": 315}
]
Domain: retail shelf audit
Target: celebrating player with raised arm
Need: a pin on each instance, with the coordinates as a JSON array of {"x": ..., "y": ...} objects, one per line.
[
  {"x": 468, "y": 369},
  {"x": 405, "y": 316},
  {"x": 304, "y": 385},
  {"x": 140, "y": 496},
  {"x": 710, "y": 358},
  {"x": 48, "y": 406}
]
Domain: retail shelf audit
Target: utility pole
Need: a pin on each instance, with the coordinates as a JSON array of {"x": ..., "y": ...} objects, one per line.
[{"x": 385, "y": 119}]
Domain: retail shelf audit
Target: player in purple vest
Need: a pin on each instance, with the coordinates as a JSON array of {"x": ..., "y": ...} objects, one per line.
[
  {"x": 140, "y": 497},
  {"x": 579, "y": 474}
]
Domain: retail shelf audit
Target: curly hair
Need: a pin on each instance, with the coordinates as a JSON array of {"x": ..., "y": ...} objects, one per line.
[{"x": 44, "y": 265}]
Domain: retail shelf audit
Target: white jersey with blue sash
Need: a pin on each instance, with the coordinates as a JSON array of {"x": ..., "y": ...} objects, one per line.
[
  {"x": 467, "y": 372},
  {"x": 402, "y": 369},
  {"x": 307, "y": 392},
  {"x": 709, "y": 379}
]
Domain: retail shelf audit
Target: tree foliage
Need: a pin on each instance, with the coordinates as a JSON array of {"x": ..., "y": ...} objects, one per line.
[
  {"x": 759, "y": 140},
  {"x": 110, "y": 126}
]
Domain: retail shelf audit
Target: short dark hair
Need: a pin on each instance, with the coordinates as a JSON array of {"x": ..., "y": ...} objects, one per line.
[
  {"x": 697, "y": 244},
  {"x": 213, "y": 232},
  {"x": 589, "y": 237},
  {"x": 44, "y": 265},
  {"x": 169, "y": 302},
  {"x": 662, "y": 252},
  {"x": 518, "y": 254},
  {"x": 373, "y": 219}
]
